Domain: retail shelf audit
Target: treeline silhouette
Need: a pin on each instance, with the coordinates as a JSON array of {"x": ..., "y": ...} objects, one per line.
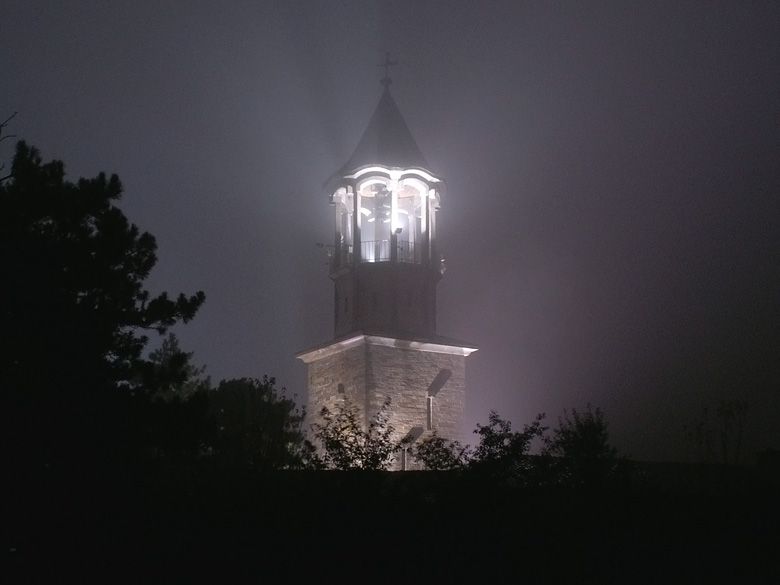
[{"x": 125, "y": 464}]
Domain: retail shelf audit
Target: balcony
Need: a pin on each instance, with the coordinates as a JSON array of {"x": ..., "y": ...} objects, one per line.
[
  {"x": 376, "y": 251},
  {"x": 382, "y": 251}
]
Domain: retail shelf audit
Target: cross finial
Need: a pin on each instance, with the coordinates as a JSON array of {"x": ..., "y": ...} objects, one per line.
[{"x": 386, "y": 81}]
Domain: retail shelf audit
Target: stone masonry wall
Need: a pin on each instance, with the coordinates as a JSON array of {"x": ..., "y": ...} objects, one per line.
[
  {"x": 370, "y": 373},
  {"x": 347, "y": 368},
  {"x": 407, "y": 376}
]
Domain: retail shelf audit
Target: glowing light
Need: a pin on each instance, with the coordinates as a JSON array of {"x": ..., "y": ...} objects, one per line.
[
  {"x": 373, "y": 181},
  {"x": 394, "y": 200},
  {"x": 394, "y": 174}
]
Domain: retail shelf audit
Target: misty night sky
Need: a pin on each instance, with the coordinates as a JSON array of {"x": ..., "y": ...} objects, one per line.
[{"x": 611, "y": 219}]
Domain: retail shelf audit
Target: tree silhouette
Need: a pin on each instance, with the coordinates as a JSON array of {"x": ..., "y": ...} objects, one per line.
[
  {"x": 580, "y": 446},
  {"x": 257, "y": 427},
  {"x": 347, "y": 445},
  {"x": 732, "y": 414},
  {"x": 729, "y": 426},
  {"x": 504, "y": 453},
  {"x": 3, "y": 138},
  {"x": 169, "y": 373},
  {"x": 439, "y": 454},
  {"x": 168, "y": 405},
  {"x": 73, "y": 308}
]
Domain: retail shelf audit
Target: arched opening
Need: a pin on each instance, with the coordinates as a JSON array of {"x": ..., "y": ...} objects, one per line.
[
  {"x": 343, "y": 199},
  {"x": 376, "y": 209},
  {"x": 411, "y": 218},
  {"x": 394, "y": 219}
]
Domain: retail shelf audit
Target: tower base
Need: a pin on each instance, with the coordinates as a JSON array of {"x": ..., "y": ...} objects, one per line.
[{"x": 425, "y": 381}]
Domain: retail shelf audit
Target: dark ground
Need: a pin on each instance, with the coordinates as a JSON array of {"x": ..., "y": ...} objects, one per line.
[{"x": 678, "y": 524}]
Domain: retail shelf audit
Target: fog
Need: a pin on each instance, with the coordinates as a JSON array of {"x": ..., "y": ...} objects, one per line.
[{"x": 610, "y": 218}]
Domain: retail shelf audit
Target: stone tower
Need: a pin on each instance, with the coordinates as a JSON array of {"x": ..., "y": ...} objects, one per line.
[{"x": 385, "y": 267}]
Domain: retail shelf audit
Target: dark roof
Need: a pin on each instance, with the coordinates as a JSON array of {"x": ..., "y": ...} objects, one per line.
[{"x": 386, "y": 141}]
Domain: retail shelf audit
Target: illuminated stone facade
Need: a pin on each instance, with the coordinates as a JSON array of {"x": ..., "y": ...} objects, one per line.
[
  {"x": 385, "y": 267},
  {"x": 426, "y": 383}
]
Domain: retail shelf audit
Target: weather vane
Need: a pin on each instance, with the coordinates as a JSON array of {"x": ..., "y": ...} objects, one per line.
[{"x": 386, "y": 81}]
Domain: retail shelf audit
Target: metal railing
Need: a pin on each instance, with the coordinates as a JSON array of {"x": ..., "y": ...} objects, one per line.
[
  {"x": 407, "y": 252},
  {"x": 382, "y": 251},
  {"x": 375, "y": 251}
]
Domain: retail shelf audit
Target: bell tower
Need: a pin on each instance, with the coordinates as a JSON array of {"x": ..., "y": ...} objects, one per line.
[
  {"x": 385, "y": 267},
  {"x": 385, "y": 264}
]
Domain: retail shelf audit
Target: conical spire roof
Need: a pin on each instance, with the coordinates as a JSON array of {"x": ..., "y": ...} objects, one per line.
[{"x": 387, "y": 140}]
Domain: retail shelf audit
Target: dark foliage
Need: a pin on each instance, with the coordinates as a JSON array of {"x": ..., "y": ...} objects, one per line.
[
  {"x": 243, "y": 424},
  {"x": 75, "y": 269},
  {"x": 169, "y": 373},
  {"x": 726, "y": 429},
  {"x": 439, "y": 454},
  {"x": 223, "y": 524},
  {"x": 73, "y": 307},
  {"x": 257, "y": 427},
  {"x": 582, "y": 455},
  {"x": 503, "y": 453},
  {"x": 167, "y": 406},
  {"x": 347, "y": 445},
  {"x": 167, "y": 430}
]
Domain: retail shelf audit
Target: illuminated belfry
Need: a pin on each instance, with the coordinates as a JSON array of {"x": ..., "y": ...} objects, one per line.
[{"x": 385, "y": 267}]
